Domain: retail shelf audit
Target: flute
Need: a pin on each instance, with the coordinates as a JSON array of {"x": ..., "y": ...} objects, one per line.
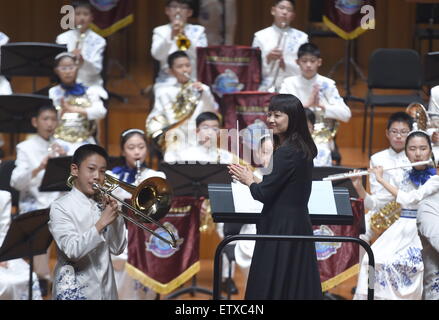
[{"x": 348, "y": 175}]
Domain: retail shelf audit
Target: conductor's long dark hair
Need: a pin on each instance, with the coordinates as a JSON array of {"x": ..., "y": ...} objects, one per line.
[{"x": 297, "y": 135}]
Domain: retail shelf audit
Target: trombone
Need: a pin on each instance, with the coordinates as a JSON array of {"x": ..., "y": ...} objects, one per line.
[{"x": 151, "y": 201}]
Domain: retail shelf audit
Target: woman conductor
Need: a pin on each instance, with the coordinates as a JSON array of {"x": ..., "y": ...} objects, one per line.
[{"x": 281, "y": 269}]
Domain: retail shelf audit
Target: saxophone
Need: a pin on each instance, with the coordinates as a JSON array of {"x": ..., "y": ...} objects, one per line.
[
  {"x": 182, "y": 109},
  {"x": 74, "y": 127},
  {"x": 385, "y": 217}
]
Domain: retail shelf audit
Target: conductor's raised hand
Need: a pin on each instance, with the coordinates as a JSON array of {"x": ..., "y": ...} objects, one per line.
[{"x": 241, "y": 173}]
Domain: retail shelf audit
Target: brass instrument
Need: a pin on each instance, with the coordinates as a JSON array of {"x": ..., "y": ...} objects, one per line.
[
  {"x": 150, "y": 202},
  {"x": 384, "y": 218},
  {"x": 206, "y": 221},
  {"x": 183, "y": 108},
  {"x": 182, "y": 41},
  {"x": 324, "y": 129},
  {"x": 74, "y": 127},
  {"x": 420, "y": 116}
]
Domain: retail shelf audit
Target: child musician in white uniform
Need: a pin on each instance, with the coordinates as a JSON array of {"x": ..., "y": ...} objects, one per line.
[
  {"x": 87, "y": 46},
  {"x": 79, "y": 106},
  {"x": 398, "y": 260},
  {"x": 164, "y": 112},
  {"x": 164, "y": 39},
  {"x": 316, "y": 92},
  {"x": 279, "y": 45},
  {"x": 134, "y": 171},
  {"x": 30, "y": 166}
]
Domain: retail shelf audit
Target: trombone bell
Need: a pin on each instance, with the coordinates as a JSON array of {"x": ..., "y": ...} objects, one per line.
[{"x": 151, "y": 201}]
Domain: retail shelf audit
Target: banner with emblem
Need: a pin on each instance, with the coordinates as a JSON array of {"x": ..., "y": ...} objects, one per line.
[
  {"x": 153, "y": 262},
  {"x": 229, "y": 69},
  {"x": 339, "y": 261},
  {"x": 248, "y": 109},
  {"x": 111, "y": 15},
  {"x": 344, "y": 17}
]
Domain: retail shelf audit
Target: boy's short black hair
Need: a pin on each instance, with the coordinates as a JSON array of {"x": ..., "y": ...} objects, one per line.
[
  {"x": 85, "y": 151},
  {"x": 400, "y": 117},
  {"x": 308, "y": 48},
  {"x": 190, "y": 3},
  {"x": 46, "y": 107},
  {"x": 206, "y": 116},
  {"x": 81, "y": 4},
  {"x": 293, "y": 3},
  {"x": 173, "y": 56},
  {"x": 310, "y": 116}
]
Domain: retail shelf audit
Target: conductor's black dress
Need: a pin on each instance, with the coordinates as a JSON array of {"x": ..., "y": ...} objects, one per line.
[{"x": 283, "y": 269}]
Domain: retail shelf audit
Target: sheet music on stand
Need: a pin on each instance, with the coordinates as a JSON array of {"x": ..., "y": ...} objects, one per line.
[{"x": 336, "y": 210}]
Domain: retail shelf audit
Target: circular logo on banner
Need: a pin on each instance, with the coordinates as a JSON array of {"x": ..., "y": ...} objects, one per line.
[
  {"x": 160, "y": 248},
  {"x": 325, "y": 250},
  {"x": 227, "y": 82},
  {"x": 349, "y": 7},
  {"x": 104, "y": 5}
]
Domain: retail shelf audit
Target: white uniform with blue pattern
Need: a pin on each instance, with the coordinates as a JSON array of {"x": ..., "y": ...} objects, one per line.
[
  {"x": 398, "y": 261},
  {"x": 84, "y": 270}
]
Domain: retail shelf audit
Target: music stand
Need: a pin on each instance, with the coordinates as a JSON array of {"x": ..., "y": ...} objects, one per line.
[
  {"x": 16, "y": 112},
  {"x": 58, "y": 171},
  {"x": 223, "y": 208},
  {"x": 193, "y": 180},
  {"x": 28, "y": 236},
  {"x": 431, "y": 69},
  {"x": 29, "y": 59}
]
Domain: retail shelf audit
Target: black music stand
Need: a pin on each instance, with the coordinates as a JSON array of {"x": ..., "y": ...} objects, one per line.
[
  {"x": 223, "y": 208},
  {"x": 30, "y": 59},
  {"x": 28, "y": 236},
  {"x": 58, "y": 171},
  {"x": 16, "y": 112},
  {"x": 193, "y": 180},
  {"x": 56, "y": 175}
]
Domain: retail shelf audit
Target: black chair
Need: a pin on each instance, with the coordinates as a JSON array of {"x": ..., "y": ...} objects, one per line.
[
  {"x": 6, "y": 168},
  {"x": 391, "y": 69}
]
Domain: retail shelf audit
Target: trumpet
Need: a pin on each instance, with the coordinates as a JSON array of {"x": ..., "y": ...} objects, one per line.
[
  {"x": 182, "y": 41},
  {"x": 151, "y": 201},
  {"x": 342, "y": 176}
]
